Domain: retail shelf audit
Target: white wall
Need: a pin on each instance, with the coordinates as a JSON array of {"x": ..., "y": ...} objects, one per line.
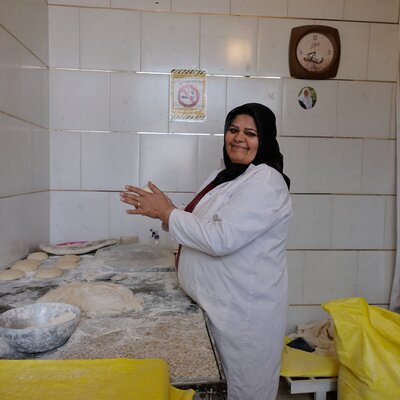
[
  {"x": 24, "y": 134},
  {"x": 340, "y": 155}
]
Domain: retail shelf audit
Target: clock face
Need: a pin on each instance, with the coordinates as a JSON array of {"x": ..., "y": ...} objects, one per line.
[{"x": 315, "y": 52}]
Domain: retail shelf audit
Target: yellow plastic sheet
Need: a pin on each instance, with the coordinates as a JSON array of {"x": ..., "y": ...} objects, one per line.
[
  {"x": 120, "y": 378},
  {"x": 367, "y": 340},
  {"x": 299, "y": 363}
]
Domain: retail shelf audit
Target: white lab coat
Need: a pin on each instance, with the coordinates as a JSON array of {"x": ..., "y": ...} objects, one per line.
[{"x": 233, "y": 264}]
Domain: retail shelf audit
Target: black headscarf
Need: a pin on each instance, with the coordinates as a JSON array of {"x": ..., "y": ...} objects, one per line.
[{"x": 268, "y": 148}]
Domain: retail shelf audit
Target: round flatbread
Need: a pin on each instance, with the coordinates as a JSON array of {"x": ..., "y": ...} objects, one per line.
[
  {"x": 48, "y": 273},
  {"x": 11, "y": 275},
  {"x": 70, "y": 257},
  {"x": 66, "y": 264},
  {"x": 26, "y": 265},
  {"x": 39, "y": 256}
]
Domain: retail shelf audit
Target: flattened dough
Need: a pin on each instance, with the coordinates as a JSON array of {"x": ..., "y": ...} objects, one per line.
[
  {"x": 11, "y": 275},
  {"x": 69, "y": 257},
  {"x": 95, "y": 298},
  {"x": 39, "y": 256},
  {"x": 25, "y": 265},
  {"x": 66, "y": 264},
  {"x": 48, "y": 273}
]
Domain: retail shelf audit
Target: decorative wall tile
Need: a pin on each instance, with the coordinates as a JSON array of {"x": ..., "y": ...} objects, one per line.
[
  {"x": 375, "y": 272},
  {"x": 65, "y": 160},
  {"x": 329, "y": 275},
  {"x": 64, "y": 37},
  {"x": 109, "y": 39},
  {"x": 364, "y": 109},
  {"x": 139, "y": 102},
  {"x": 79, "y": 100},
  {"x": 228, "y": 45},
  {"x": 169, "y": 41},
  {"x": 204, "y": 6},
  {"x": 169, "y": 161},
  {"x": 270, "y": 8},
  {"x": 311, "y": 224},
  {"x": 335, "y": 165},
  {"x": 358, "y": 222},
  {"x": 109, "y": 160},
  {"x": 318, "y": 121},
  {"x": 328, "y": 9}
]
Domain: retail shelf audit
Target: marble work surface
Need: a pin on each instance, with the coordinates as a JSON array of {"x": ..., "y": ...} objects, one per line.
[{"x": 170, "y": 326}]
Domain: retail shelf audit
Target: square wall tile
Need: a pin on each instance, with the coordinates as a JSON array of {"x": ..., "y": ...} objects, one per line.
[
  {"x": 9, "y": 232},
  {"x": 358, "y": 222},
  {"x": 109, "y": 160},
  {"x": 353, "y": 35},
  {"x": 215, "y": 110},
  {"x": 327, "y": 9},
  {"x": 393, "y": 125},
  {"x": 64, "y": 37},
  {"x": 317, "y": 121},
  {"x": 78, "y": 216},
  {"x": 79, "y": 100},
  {"x": 85, "y": 3},
  {"x": 375, "y": 272},
  {"x": 228, "y": 45},
  {"x": 109, "y": 39},
  {"x": 204, "y": 6},
  {"x": 364, "y": 109},
  {"x": 390, "y": 223},
  {"x": 139, "y": 102},
  {"x": 329, "y": 275},
  {"x": 372, "y": 10},
  {"x": 296, "y": 264},
  {"x": 159, "y": 5},
  {"x": 256, "y": 90},
  {"x": 335, "y": 165},
  {"x": 273, "y": 45},
  {"x": 169, "y": 161},
  {"x": 65, "y": 160},
  {"x": 40, "y": 168},
  {"x": 379, "y": 167},
  {"x": 311, "y": 225},
  {"x": 383, "y": 54},
  {"x": 169, "y": 41},
  {"x": 210, "y": 156},
  {"x": 270, "y": 8},
  {"x": 295, "y": 160}
]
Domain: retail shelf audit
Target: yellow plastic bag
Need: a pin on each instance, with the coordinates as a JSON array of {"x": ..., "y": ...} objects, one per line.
[
  {"x": 299, "y": 363},
  {"x": 367, "y": 340},
  {"x": 120, "y": 378}
]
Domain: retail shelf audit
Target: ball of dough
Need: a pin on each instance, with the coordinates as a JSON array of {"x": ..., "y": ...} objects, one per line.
[
  {"x": 70, "y": 257},
  {"x": 67, "y": 264},
  {"x": 11, "y": 275},
  {"x": 39, "y": 256},
  {"x": 26, "y": 265},
  {"x": 48, "y": 273}
]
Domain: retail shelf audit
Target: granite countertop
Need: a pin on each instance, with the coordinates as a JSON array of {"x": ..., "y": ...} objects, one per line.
[{"x": 170, "y": 326}]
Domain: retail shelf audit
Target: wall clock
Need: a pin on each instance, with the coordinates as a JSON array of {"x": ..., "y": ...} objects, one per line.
[{"x": 314, "y": 52}]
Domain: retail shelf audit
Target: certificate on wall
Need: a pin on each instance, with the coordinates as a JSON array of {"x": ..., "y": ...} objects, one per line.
[{"x": 188, "y": 95}]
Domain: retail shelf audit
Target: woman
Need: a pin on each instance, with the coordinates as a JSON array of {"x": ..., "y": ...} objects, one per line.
[{"x": 233, "y": 261}]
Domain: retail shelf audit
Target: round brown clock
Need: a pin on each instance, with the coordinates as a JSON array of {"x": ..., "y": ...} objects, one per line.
[{"x": 314, "y": 52}]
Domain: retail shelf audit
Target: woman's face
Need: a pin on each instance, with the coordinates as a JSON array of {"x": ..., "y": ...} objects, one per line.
[{"x": 241, "y": 139}]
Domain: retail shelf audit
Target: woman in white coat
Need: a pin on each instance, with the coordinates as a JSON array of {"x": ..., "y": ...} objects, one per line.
[{"x": 232, "y": 258}]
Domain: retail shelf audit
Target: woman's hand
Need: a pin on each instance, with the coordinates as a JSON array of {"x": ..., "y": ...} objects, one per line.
[{"x": 153, "y": 205}]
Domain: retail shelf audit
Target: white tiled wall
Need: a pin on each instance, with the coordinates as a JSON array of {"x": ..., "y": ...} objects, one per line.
[
  {"x": 24, "y": 136},
  {"x": 109, "y": 88}
]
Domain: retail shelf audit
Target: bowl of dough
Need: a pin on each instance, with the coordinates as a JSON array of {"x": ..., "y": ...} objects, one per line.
[{"x": 39, "y": 327}]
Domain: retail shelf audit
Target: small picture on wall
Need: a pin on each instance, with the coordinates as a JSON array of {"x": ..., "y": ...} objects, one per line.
[{"x": 307, "y": 97}]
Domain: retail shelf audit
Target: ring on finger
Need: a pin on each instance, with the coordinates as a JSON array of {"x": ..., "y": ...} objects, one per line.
[{"x": 138, "y": 204}]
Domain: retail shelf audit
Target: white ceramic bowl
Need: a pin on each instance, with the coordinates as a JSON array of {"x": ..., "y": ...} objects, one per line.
[{"x": 39, "y": 327}]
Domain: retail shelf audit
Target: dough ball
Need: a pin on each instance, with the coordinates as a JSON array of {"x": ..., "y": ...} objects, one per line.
[
  {"x": 48, "y": 273},
  {"x": 66, "y": 264},
  {"x": 39, "y": 256},
  {"x": 11, "y": 275},
  {"x": 70, "y": 257},
  {"x": 25, "y": 265}
]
